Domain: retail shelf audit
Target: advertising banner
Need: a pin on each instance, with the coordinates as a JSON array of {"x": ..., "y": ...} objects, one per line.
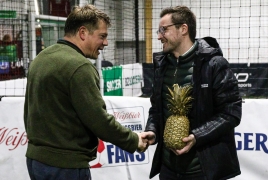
[
  {"x": 124, "y": 80},
  {"x": 112, "y": 78},
  {"x": 111, "y": 161},
  {"x": 132, "y": 79},
  {"x": 13, "y": 87},
  {"x": 251, "y": 140},
  {"x": 13, "y": 140},
  {"x": 131, "y": 112},
  {"x": 114, "y": 163},
  {"x": 252, "y": 80}
]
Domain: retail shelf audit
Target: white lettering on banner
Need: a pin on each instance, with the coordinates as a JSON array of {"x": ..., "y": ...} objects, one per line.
[
  {"x": 241, "y": 78},
  {"x": 133, "y": 80},
  {"x": 113, "y": 85},
  {"x": 18, "y": 64},
  {"x": 244, "y": 85},
  {"x": 12, "y": 137},
  {"x": 121, "y": 115},
  {"x": 246, "y": 143}
]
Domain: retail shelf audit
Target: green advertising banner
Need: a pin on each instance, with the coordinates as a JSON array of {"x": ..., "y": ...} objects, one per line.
[
  {"x": 7, "y": 14},
  {"x": 112, "y": 77}
]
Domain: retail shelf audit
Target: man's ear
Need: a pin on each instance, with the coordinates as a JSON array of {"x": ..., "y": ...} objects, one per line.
[
  {"x": 184, "y": 29},
  {"x": 82, "y": 32}
]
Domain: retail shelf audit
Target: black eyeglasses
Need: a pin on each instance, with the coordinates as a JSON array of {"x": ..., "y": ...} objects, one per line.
[{"x": 163, "y": 29}]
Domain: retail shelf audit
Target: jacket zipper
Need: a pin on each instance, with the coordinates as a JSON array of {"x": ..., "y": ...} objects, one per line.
[{"x": 175, "y": 73}]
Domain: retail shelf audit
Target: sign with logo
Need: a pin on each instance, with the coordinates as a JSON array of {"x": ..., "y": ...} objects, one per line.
[
  {"x": 12, "y": 137},
  {"x": 252, "y": 80},
  {"x": 251, "y": 138},
  {"x": 123, "y": 80},
  {"x": 5, "y": 14},
  {"x": 131, "y": 117},
  {"x": 132, "y": 79},
  {"x": 112, "y": 77}
]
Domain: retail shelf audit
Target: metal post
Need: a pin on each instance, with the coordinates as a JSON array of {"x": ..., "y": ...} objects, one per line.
[
  {"x": 137, "y": 30},
  {"x": 32, "y": 37}
]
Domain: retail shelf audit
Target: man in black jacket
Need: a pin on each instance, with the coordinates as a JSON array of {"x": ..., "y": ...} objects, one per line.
[{"x": 210, "y": 151}]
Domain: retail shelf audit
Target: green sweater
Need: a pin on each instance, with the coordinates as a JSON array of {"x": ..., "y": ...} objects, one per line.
[{"x": 64, "y": 112}]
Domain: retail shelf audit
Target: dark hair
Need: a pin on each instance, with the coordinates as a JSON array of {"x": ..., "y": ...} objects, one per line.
[
  {"x": 182, "y": 14},
  {"x": 7, "y": 38},
  {"x": 88, "y": 16}
]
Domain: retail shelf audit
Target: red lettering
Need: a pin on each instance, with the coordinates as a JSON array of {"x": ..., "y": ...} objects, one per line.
[
  {"x": 126, "y": 115},
  {"x": 12, "y": 137}
]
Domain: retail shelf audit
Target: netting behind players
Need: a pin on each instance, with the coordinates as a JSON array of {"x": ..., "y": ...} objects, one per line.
[{"x": 241, "y": 28}]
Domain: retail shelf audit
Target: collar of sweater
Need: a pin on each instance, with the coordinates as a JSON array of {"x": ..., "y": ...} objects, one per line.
[
  {"x": 186, "y": 57},
  {"x": 68, "y": 43}
]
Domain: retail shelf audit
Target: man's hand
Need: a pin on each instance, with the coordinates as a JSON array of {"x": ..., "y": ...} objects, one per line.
[
  {"x": 190, "y": 140},
  {"x": 150, "y": 136},
  {"x": 143, "y": 143}
]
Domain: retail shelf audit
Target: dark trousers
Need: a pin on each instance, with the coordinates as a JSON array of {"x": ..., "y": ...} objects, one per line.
[
  {"x": 167, "y": 174},
  {"x": 40, "y": 171}
]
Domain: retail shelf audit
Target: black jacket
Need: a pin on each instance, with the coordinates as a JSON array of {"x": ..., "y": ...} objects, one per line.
[{"x": 216, "y": 111}]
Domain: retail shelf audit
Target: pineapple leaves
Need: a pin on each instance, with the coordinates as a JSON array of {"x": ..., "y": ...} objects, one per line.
[{"x": 179, "y": 98}]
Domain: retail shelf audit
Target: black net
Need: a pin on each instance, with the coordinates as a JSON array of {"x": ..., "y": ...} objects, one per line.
[{"x": 240, "y": 27}]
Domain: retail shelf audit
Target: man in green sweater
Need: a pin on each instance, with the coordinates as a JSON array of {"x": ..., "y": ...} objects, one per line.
[{"x": 64, "y": 112}]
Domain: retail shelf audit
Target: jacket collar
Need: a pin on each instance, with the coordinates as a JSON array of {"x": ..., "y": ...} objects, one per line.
[
  {"x": 208, "y": 46},
  {"x": 68, "y": 43},
  {"x": 159, "y": 59}
]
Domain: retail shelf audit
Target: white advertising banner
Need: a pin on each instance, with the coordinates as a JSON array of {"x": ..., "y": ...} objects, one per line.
[
  {"x": 131, "y": 112},
  {"x": 13, "y": 140},
  {"x": 251, "y": 140},
  {"x": 14, "y": 87},
  {"x": 132, "y": 79},
  {"x": 114, "y": 163}
]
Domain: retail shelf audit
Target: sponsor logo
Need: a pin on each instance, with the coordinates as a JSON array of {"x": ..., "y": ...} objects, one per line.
[
  {"x": 128, "y": 115},
  {"x": 109, "y": 155},
  {"x": 251, "y": 142},
  {"x": 122, "y": 115},
  {"x": 133, "y": 80},
  {"x": 113, "y": 85},
  {"x": 242, "y": 78},
  {"x": 12, "y": 138}
]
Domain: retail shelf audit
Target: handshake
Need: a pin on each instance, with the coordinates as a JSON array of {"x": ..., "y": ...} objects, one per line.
[{"x": 145, "y": 139}]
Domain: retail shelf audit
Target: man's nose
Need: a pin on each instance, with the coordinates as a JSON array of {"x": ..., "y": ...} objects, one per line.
[
  {"x": 159, "y": 36},
  {"x": 105, "y": 42}
]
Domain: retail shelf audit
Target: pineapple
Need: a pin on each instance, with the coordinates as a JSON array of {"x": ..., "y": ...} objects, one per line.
[{"x": 177, "y": 125}]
